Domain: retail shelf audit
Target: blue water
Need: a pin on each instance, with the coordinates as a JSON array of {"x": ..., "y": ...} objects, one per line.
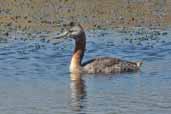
[{"x": 34, "y": 75}]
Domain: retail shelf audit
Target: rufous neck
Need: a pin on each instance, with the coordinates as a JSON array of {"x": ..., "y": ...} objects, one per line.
[{"x": 80, "y": 45}]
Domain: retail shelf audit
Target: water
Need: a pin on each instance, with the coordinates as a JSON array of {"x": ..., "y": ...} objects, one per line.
[{"x": 34, "y": 77}]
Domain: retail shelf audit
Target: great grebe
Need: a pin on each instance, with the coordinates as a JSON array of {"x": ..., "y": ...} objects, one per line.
[{"x": 104, "y": 65}]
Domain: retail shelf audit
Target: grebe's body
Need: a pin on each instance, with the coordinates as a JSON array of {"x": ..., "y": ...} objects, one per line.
[
  {"x": 110, "y": 65},
  {"x": 104, "y": 65}
]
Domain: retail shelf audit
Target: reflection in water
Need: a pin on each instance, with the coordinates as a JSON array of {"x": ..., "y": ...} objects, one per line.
[
  {"x": 78, "y": 92},
  {"x": 31, "y": 81}
]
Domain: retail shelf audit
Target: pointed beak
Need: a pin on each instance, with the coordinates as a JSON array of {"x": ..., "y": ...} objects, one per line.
[{"x": 62, "y": 35}]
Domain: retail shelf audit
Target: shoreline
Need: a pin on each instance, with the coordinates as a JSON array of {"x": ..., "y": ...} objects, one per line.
[{"x": 43, "y": 15}]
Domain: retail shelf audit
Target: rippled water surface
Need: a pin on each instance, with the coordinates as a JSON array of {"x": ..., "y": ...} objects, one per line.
[{"x": 34, "y": 77}]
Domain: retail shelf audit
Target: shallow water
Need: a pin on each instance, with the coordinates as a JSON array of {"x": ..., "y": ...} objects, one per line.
[{"x": 34, "y": 77}]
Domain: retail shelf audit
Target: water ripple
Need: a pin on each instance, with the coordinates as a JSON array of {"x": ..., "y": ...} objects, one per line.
[{"x": 34, "y": 75}]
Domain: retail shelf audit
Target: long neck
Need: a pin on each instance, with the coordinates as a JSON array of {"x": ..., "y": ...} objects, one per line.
[{"x": 80, "y": 45}]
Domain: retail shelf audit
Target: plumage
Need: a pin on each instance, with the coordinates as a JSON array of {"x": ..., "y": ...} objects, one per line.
[
  {"x": 109, "y": 65},
  {"x": 104, "y": 65}
]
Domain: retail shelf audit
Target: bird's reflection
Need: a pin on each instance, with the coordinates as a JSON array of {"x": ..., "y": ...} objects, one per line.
[{"x": 78, "y": 92}]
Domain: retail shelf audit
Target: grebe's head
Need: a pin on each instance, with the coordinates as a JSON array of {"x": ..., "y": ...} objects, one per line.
[{"x": 72, "y": 30}]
